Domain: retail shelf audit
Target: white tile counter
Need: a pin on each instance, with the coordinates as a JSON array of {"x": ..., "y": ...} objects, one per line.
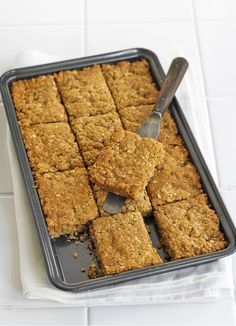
[{"x": 203, "y": 31}]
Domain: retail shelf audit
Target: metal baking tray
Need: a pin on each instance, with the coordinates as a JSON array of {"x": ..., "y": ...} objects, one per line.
[{"x": 63, "y": 269}]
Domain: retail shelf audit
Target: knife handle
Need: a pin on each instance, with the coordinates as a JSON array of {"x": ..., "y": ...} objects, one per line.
[{"x": 173, "y": 78}]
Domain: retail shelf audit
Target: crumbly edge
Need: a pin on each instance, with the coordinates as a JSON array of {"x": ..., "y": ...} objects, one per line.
[
  {"x": 106, "y": 271},
  {"x": 124, "y": 189},
  {"x": 140, "y": 68},
  {"x": 93, "y": 238},
  {"x": 91, "y": 144},
  {"x": 71, "y": 160},
  {"x": 162, "y": 187},
  {"x": 17, "y": 89},
  {"x": 85, "y": 107},
  {"x": 168, "y": 238},
  {"x": 58, "y": 229}
]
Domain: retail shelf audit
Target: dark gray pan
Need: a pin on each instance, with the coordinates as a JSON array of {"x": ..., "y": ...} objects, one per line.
[{"x": 63, "y": 269}]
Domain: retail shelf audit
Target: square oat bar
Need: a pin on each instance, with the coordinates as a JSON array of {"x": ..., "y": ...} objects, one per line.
[
  {"x": 177, "y": 178},
  {"x": 189, "y": 228},
  {"x": 130, "y": 83},
  {"x": 51, "y": 147},
  {"x": 141, "y": 205},
  {"x": 67, "y": 201},
  {"x": 93, "y": 132},
  {"x": 122, "y": 243},
  {"x": 173, "y": 183},
  {"x": 126, "y": 165},
  {"x": 133, "y": 118},
  {"x": 37, "y": 100},
  {"x": 84, "y": 92}
]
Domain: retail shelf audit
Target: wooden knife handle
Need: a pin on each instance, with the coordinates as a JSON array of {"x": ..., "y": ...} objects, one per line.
[{"x": 173, "y": 78}]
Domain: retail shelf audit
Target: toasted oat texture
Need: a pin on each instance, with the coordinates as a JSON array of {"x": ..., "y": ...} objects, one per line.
[
  {"x": 141, "y": 205},
  {"x": 92, "y": 133},
  {"x": 175, "y": 154},
  {"x": 173, "y": 182},
  {"x": 51, "y": 147},
  {"x": 67, "y": 201},
  {"x": 189, "y": 228},
  {"x": 126, "y": 165},
  {"x": 130, "y": 83},
  {"x": 133, "y": 118},
  {"x": 37, "y": 100},
  {"x": 122, "y": 243},
  {"x": 169, "y": 132},
  {"x": 84, "y": 92}
]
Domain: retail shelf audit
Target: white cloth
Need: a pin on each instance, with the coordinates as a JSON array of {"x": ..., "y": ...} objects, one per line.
[{"x": 207, "y": 282}]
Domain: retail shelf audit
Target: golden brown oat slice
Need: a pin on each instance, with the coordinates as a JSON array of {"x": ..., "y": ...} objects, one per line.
[
  {"x": 169, "y": 132},
  {"x": 84, "y": 92},
  {"x": 126, "y": 165},
  {"x": 141, "y": 205},
  {"x": 67, "y": 201},
  {"x": 189, "y": 228},
  {"x": 175, "y": 154},
  {"x": 133, "y": 118},
  {"x": 51, "y": 147},
  {"x": 130, "y": 83},
  {"x": 122, "y": 243},
  {"x": 37, "y": 100},
  {"x": 173, "y": 182},
  {"x": 93, "y": 132},
  {"x": 176, "y": 179}
]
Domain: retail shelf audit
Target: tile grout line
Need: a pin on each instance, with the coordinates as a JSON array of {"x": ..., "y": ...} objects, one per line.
[
  {"x": 204, "y": 87},
  {"x": 145, "y": 22},
  {"x": 142, "y": 22},
  {"x": 216, "y": 21},
  {"x": 87, "y": 316},
  {"x": 6, "y": 195},
  {"x": 16, "y": 26}
]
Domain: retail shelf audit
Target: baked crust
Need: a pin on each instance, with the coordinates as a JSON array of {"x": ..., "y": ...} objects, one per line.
[
  {"x": 126, "y": 165},
  {"x": 93, "y": 133},
  {"x": 84, "y": 92},
  {"x": 116, "y": 249},
  {"x": 67, "y": 201},
  {"x": 189, "y": 228},
  {"x": 37, "y": 100},
  {"x": 51, "y": 147},
  {"x": 130, "y": 83},
  {"x": 177, "y": 178}
]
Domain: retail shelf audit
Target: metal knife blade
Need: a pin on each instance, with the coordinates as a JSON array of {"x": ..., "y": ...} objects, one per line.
[
  {"x": 151, "y": 126},
  {"x": 114, "y": 203}
]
